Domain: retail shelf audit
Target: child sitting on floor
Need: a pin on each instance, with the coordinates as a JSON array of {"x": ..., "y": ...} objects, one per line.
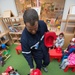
[
  {"x": 69, "y": 61},
  {"x": 60, "y": 40}
]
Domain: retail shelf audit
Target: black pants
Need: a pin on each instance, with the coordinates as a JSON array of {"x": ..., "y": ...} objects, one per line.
[{"x": 44, "y": 61}]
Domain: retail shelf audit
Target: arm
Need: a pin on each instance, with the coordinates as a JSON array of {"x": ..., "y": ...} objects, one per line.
[
  {"x": 62, "y": 43},
  {"x": 27, "y": 53}
]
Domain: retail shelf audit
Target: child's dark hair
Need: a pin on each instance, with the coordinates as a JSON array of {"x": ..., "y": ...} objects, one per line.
[{"x": 61, "y": 34}]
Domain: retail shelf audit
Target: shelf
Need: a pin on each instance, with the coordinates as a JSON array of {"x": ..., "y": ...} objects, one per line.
[
  {"x": 68, "y": 20},
  {"x": 4, "y": 33},
  {"x": 71, "y": 15},
  {"x": 15, "y": 33},
  {"x": 5, "y": 41},
  {"x": 18, "y": 43},
  {"x": 19, "y": 38},
  {"x": 16, "y": 24},
  {"x": 70, "y": 25},
  {"x": 19, "y": 25},
  {"x": 14, "y": 38}
]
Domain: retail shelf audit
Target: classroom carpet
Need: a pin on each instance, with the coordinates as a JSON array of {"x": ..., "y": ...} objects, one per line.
[{"x": 19, "y": 63}]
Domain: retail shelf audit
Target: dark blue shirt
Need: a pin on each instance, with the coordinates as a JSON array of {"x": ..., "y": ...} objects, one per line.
[{"x": 28, "y": 40}]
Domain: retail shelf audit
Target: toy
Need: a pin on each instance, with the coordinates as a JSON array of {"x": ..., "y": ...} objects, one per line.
[
  {"x": 49, "y": 38},
  {"x": 36, "y": 72}
]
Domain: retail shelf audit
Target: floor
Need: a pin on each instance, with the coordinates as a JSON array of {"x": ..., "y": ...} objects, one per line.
[{"x": 19, "y": 63}]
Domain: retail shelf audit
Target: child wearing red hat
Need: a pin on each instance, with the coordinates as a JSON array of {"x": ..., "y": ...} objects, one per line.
[
  {"x": 70, "y": 49},
  {"x": 71, "y": 45}
]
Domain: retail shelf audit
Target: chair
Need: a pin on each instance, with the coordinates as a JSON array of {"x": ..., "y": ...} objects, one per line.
[
  {"x": 6, "y": 54},
  {"x": 18, "y": 49},
  {"x": 70, "y": 66}
]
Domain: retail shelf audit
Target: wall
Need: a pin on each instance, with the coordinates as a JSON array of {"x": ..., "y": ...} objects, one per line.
[
  {"x": 8, "y": 5},
  {"x": 68, "y": 3}
]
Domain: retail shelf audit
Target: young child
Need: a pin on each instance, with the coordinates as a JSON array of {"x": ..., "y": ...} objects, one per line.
[
  {"x": 13, "y": 72},
  {"x": 70, "y": 49},
  {"x": 71, "y": 46},
  {"x": 69, "y": 61},
  {"x": 60, "y": 40}
]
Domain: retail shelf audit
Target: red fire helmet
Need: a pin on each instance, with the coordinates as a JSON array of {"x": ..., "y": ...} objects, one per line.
[
  {"x": 36, "y": 72},
  {"x": 49, "y": 37}
]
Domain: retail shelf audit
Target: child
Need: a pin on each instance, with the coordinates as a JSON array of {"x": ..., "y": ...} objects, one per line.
[
  {"x": 60, "y": 40},
  {"x": 13, "y": 72},
  {"x": 69, "y": 61},
  {"x": 71, "y": 46},
  {"x": 70, "y": 49}
]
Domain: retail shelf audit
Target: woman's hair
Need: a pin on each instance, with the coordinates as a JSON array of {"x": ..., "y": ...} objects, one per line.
[{"x": 30, "y": 16}]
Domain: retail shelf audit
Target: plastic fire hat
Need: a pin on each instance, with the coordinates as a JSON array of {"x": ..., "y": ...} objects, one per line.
[
  {"x": 36, "y": 72},
  {"x": 49, "y": 38},
  {"x": 73, "y": 40}
]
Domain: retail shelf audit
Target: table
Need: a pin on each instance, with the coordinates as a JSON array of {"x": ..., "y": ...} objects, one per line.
[{"x": 55, "y": 55}]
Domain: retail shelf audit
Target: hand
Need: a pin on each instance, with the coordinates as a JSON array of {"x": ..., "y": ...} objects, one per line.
[
  {"x": 65, "y": 51},
  {"x": 31, "y": 70}
]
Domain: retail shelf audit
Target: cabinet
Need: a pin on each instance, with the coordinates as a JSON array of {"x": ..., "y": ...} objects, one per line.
[
  {"x": 15, "y": 26},
  {"x": 3, "y": 35}
]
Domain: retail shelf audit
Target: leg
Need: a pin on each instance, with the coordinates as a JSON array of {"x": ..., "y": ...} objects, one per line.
[
  {"x": 46, "y": 60},
  {"x": 63, "y": 62},
  {"x": 38, "y": 62},
  {"x": 65, "y": 65}
]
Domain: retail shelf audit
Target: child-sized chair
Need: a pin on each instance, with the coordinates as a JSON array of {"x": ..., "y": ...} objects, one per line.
[
  {"x": 70, "y": 66},
  {"x": 18, "y": 49},
  {"x": 6, "y": 54}
]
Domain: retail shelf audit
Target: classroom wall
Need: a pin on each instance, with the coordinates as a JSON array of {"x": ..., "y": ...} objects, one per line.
[
  {"x": 8, "y": 5},
  {"x": 68, "y": 3}
]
